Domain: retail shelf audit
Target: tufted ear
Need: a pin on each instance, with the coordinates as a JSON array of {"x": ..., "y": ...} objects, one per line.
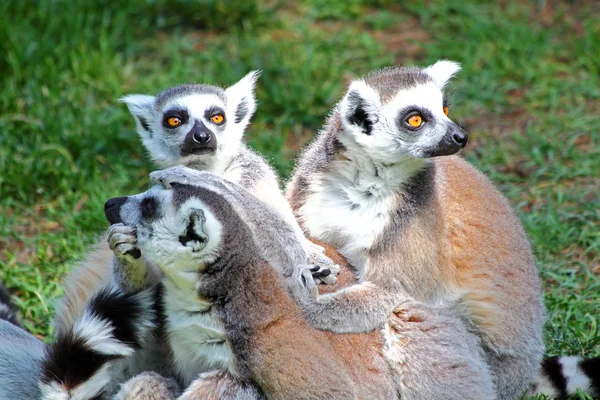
[
  {"x": 360, "y": 106},
  {"x": 141, "y": 106},
  {"x": 194, "y": 236},
  {"x": 240, "y": 98},
  {"x": 442, "y": 71}
]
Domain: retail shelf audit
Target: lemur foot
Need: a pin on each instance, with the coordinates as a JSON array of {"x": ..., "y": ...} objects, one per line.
[
  {"x": 148, "y": 386},
  {"x": 129, "y": 269},
  {"x": 219, "y": 385},
  {"x": 410, "y": 314},
  {"x": 316, "y": 256}
]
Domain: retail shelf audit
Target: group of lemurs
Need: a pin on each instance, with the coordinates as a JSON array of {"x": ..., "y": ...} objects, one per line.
[{"x": 393, "y": 269}]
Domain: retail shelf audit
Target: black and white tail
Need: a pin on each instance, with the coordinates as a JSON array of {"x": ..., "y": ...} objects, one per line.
[
  {"x": 79, "y": 364},
  {"x": 8, "y": 311},
  {"x": 561, "y": 377}
]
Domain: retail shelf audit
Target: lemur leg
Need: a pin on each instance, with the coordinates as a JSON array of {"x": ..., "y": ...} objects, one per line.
[
  {"x": 148, "y": 386},
  {"x": 220, "y": 385},
  {"x": 434, "y": 356},
  {"x": 359, "y": 308},
  {"x": 131, "y": 271}
]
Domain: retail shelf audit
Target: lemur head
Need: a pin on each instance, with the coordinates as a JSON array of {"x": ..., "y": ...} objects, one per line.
[
  {"x": 401, "y": 112},
  {"x": 195, "y": 125},
  {"x": 184, "y": 229}
]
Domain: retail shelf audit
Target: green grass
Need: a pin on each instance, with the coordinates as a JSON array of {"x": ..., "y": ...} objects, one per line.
[{"x": 529, "y": 94}]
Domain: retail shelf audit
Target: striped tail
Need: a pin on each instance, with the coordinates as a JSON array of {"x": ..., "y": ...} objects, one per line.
[
  {"x": 79, "y": 364},
  {"x": 561, "y": 377},
  {"x": 8, "y": 311}
]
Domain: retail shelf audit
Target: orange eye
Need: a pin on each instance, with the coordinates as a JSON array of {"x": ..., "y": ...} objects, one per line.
[
  {"x": 218, "y": 119},
  {"x": 415, "y": 121},
  {"x": 446, "y": 111},
  {"x": 173, "y": 122}
]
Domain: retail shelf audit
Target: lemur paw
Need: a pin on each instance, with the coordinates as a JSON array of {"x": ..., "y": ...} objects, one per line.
[
  {"x": 177, "y": 174},
  {"x": 413, "y": 314},
  {"x": 122, "y": 240},
  {"x": 302, "y": 281},
  {"x": 148, "y": 386},
  {"x": 130, "y": 270},
  {"x": 316, "y": 256}
]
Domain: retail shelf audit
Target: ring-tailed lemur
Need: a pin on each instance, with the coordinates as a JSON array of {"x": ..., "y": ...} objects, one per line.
[
  {"x": 183, "y": 324},
  {"x": 21, "y": 354},
  {"x": 216, "y": 239},
  {"x": 372, "y": 185},
  {"x": 200, "y": 126}
]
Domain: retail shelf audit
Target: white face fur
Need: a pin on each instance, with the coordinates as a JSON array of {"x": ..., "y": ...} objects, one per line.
[
  {"x": 179, "y": 239},
  {"x": 200, "y": 126},
  {"x": 383, "y": 129}
]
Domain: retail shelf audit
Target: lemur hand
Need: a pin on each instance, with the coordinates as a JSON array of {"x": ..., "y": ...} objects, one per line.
[
  {"x": 316, "y": 256},
  {"x": 302, "y": 282},
  {"x": 129, "y": 268}
]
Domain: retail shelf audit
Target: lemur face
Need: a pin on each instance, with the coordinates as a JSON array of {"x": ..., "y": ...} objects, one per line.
[
  {"x": 194, "y": 125},
  {"x": 401, "y": 112},
  {"x": 175, "y": 226}
]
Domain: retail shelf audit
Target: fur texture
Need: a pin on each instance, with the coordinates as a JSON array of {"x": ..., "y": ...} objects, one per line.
[
  {"x": 224, "y": 154},
  {"x": 238, "y": 269},
  {"x": 412, "y": 223}
]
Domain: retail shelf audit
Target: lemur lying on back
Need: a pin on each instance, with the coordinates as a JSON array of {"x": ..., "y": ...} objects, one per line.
[
  {"x": 239, "y": 257},
  {"x": 374, "y": 185},
  {"x": 200, "y": 126}
]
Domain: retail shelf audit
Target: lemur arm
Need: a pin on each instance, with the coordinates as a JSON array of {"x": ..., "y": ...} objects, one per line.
[{"x": 363, "y": 307}]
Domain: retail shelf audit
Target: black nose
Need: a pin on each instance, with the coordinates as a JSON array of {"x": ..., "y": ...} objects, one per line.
[
  {"x": 460, "y": 138},
  {"x": 112, "y": 209},
  {"x": 201, "y": 137}
]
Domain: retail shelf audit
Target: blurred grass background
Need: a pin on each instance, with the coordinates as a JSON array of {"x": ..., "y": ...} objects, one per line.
[{"x": 529, "y": 94}]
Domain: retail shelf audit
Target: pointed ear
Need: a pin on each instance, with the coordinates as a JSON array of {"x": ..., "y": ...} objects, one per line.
[
  {"x": 240, "y": 98},
  {"x": 194, "y": 236},
  {"x": 442, "y": 71},
  {"x": 141, "y": 107},
  {"x": 360, "y": 106}
]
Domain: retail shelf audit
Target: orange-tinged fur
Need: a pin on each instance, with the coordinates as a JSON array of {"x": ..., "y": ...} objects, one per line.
[
  {"x": 486, "y": 253},
  {"x": 293, "y": 359}
]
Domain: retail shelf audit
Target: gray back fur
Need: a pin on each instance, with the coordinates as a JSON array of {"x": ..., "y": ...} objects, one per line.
[{"x": 21, "y": 356}]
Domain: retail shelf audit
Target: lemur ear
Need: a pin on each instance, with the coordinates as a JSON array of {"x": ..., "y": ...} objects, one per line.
[
  {"x": 442, "y": 71},
  {"x": 360, "y": 106},
  {"x": 194, "y": 236},
  {"x": 241, "y": 99},
  {"x": 141, "y": 106}
]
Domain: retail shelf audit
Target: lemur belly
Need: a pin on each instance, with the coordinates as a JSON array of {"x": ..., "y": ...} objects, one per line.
[{"x": 196, "y": 337}]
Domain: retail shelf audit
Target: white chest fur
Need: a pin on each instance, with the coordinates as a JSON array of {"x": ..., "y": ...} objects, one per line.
[
  {"x": 196, "y": 337},
  {"x": 351, "y": 204}
]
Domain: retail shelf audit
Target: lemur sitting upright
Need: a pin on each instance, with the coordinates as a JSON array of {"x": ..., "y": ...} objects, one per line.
[
  {"x": 200, "y": 126},
  {"x": 219, "y": 241},
  {"x": 374, "y": 184}
]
